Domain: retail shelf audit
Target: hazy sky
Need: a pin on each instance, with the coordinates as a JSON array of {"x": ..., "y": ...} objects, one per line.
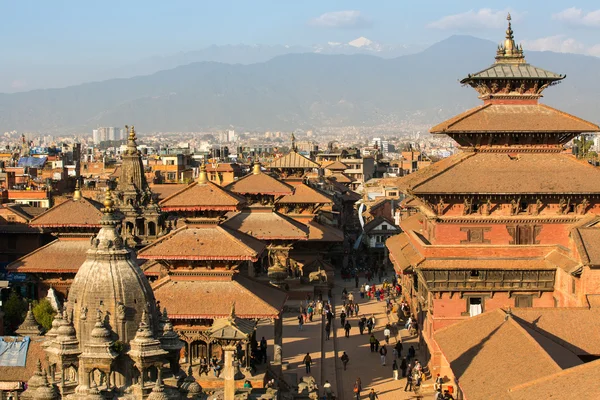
[{"x": 36, "y": 34}]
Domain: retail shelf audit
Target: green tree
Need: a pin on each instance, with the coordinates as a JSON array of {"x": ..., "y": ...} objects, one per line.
[
  {"x": 15, "y": 310},
  {"x": 584, "y": 146},
  {"x": 43, "y": 313}
]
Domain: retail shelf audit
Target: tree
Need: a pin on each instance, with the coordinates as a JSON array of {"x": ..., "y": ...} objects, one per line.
[
  {"x": 15, "y": 310},
  {"x": 44, "y": 313}
]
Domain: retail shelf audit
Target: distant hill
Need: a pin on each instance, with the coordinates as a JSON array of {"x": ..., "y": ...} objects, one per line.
[{"x": 295, "y": 90}]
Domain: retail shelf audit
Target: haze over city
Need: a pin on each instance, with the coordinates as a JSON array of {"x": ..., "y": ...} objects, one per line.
[{"x": 307, "y": 200}]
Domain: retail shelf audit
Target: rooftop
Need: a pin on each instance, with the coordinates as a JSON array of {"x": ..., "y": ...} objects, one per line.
[
  {"x": 65, "y": 254},
  {"x": 260, "y": 183},
  {"x": 266, "y": 224},
  {"x": 82, "y": 213},
  {"x": 202, "y": 196}
]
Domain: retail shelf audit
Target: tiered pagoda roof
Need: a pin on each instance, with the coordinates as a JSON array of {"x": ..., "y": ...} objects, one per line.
[
  {"x": 259, "y": 182},
  {"x": 265, "y": 224},
  {"x": 202, "y": 195},
  {"x": 63, "y": 255},
  {"x": 73, "y": 213},
  {"x": 304, "y": 194},
  {"x": 204, "y": 239},
  {"x": 209, "y": 299},
  {"x": 490, "y": 173},
  {"x": 335, "y": 166},
  {"x": 293, "y": 160}
]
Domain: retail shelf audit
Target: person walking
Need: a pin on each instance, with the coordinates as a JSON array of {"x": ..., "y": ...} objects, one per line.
[
  {"x": 300, "y": 322},
  {"x": 386, "y": 334},
  {"x": 345, "y": 359},
  {"x": 372, "y": 342},
  {"x": 439, "y": 381},
  {"x": 347, "y": 328},
  {"x": 361, "y": 325},
  {"x": 399, "y": 348},
  {"x": 395, "y": 370},
  {"x": 376, "y": 345},
  {"x": 403, "y": 367},
  {"x": 373, "y": 395},
  {"x": 357, "y": 388},
  {"x": 307, "y": 362},
  {"x": 343, "y": 318},
  {"x": 327, "y": 330},
  {"x": 408, "y": 386},
  {"x": 383, "y": 354}
]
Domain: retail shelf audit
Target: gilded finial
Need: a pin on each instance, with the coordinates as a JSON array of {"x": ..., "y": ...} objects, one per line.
[
  {"x": 202, "y": 176},
  {"x": 256, "y": 167},
  {"x": 132, "y": 133},
  {"x": 77, "y": 192}
]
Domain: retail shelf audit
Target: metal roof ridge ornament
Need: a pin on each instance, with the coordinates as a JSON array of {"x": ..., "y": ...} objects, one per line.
[{"x": 509, "y": 52}]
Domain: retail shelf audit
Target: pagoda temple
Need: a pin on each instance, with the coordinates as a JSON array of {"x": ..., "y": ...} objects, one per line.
[{"x": 511, "y": 220}]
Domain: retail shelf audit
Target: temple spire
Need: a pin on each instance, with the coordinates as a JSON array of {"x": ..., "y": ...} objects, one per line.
[
  {"x": 202, "y": 177},
  {"x": 131, "y": 144},
  {"x": 77, "y": 192},
  {"x": 509, "y": 52}
]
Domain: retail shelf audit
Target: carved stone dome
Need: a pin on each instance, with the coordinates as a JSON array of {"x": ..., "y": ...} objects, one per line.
[{"x": 110, "y": 281}]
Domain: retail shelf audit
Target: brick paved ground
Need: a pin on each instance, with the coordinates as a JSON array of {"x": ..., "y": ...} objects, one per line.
[{"x": 363, "y": 363}]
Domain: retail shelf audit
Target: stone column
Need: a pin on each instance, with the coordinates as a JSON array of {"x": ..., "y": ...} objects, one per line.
[
  {"x": 229, "y": 372},
  {"x": 251, "y": 272},
  {"x": 278, "y": 343}
]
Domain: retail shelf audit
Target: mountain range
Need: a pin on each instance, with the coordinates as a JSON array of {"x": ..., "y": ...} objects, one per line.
[{"x": 299, "y": 90}]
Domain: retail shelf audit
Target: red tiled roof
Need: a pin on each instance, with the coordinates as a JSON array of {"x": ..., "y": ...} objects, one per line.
[
  {"x": 490, "y": 353},
  {"x": 260, "y": 183},
  {"x": 204, "y": 240},
  {"x": 324, "y": 233},
  {"x": 587, "y": 241},
  {"x": 336, "y": 166},
  {"x": 165, "y": 190},
  {"x": 558, "y": 325},
  {"x": 64, "y": 254},
  {"x": 580, "y": 382},
  {"x": 202, "y": 196},
  {"x": 210, "y": 299},
  {"x": 293, "y": 160},
  {"x": 304, "y": 194},
  {"x": 499, "y": 173},
  {"x": 340, "y": 177},
  {"x": 514, "y": 118},
  {"x": 71, "y": 213},
  {"x": 266, "y": 224},
  {"x": 35, "y": 352}
]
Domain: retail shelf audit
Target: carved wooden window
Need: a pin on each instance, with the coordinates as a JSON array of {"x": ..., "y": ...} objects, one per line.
[
  {"x": 475, "y": 235},
  {"x": 524, "y": 234},
  {"x": 522, "y": 301}
]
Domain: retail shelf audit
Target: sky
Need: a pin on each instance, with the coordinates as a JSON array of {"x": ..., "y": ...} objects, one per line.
[{"x": 49, "y": 35}]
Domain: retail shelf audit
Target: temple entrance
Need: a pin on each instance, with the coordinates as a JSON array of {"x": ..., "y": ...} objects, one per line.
[
  {"x": 198, "y": 351},
  {"x": 140, "y": 225}
]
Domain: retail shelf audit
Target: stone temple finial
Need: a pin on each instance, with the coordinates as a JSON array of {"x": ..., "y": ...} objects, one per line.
[{"x": 232, "y": 312}]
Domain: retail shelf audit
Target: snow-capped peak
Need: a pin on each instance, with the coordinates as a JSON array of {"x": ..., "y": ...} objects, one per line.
[{"x": 361, "y": 42}]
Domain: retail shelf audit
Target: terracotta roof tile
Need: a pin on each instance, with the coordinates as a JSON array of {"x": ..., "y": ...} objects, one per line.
[
  {"x": 304, "y": 194},
  {"x": 60, "y": 255},
  {"x": 378, "y": 221},
  {"x": 336, "y": 166},
  {"x": 514, "y": 118},
  {"x": 293, "y": 160},
  {"x": 544, "y": 173},
  {"x": 489, "y": 354},
  {"x": 580, "y": 382},
  {"x": 588, "y": 245},
  {"x": 562, "y": 261},
  {"x": 340, "y": 177},
  {"x": 260, "y": 183},
  {"x": 71, "y": 213},
  {"x": 193, "y": 299},
  {"x": 574, "y": 328},
  {"x": 202, "y": 196},
  {"x": 204, "y": 241},
  {"x": 266, "y": 224},
  {"x": 324, "y": 233},
  {"x": 165, "y": 190}
]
